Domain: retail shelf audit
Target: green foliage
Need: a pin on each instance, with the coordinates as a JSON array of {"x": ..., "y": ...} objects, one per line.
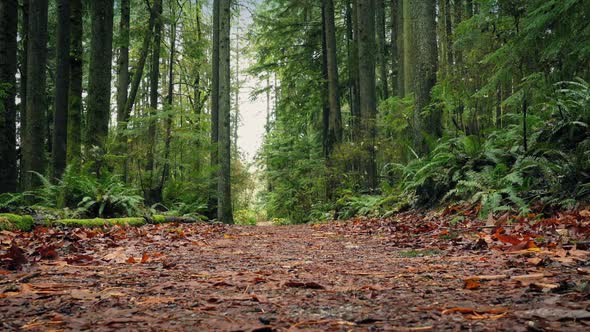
[
  {"x": 245, "y": 217},
  {"x": 88, "y": 195},
  {"x": 12, "y": 222}
]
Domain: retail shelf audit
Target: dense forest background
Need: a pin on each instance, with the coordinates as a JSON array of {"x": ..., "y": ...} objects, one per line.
[{"x": 128, "y": 107}]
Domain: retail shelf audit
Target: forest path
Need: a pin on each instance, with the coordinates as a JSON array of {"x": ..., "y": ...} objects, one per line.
[{"x": 237, "y": 278}]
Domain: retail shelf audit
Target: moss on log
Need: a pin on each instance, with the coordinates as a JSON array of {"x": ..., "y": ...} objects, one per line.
[
  {"x": 13, "y": 222},
  {"x": 100, "y": 222}
]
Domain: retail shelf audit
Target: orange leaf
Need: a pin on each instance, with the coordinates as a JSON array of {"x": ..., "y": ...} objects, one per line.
[
  {"x": 472, "y": 283},
  {"x": 144, "y": 258},
  {"x": 131, "y": 260}
]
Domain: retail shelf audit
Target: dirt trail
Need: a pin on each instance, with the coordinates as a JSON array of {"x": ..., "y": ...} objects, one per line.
[{"x": 234, "y": 278}]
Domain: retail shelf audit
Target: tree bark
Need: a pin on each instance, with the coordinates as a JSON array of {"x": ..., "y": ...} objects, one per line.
[
  {"x": 62, "y": 87},
  {"x": 139, "y": 67},
  {"x": 353, "y": 68},
  {"x": 366, "y": 55},
  {"x": 74, "y": 140},
  {"x": 123, "y": 63},
  {"x": 214, "y": 158},
  {"x": 169, "y": 100},
  {"x": 224, "y": 203},
  {"x": 151, "y": 191},
  {"x": 99, "y": 79},
  {"x": 8, "y": 66},
  {"x": 36, "y": 103},
  {"x": 420, "y": 53},
  {"x": 335, "y": 117},
  {"x": 24, "y": 32},
  {"x": 381, "y": 48}
]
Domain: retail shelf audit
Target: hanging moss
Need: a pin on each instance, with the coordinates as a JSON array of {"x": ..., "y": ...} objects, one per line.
[
  {"x": 12, "y": 222},
  {"x": 99, "y": 222}
]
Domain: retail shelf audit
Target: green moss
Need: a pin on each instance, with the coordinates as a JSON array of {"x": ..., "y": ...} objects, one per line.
[
  {"x": 158, "y": 219},
  {"x": 421, "y": 253},
  {"x": 99, "y": 222},
  {"x": 12, "y": 222}
]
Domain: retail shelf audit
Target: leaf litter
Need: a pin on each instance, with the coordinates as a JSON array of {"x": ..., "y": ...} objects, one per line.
[{"x": 411, "y": 272}]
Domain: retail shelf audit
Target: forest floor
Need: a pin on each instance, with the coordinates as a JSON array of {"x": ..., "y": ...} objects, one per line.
[{"x": 408, "y": 273}]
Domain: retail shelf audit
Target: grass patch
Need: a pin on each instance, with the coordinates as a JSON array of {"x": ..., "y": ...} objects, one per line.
[{"x": 13, "y": 222}]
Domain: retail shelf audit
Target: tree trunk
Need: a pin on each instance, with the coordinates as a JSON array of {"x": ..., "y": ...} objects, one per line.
[
  {"x": 169, "y": 100},
  {"x": 214, "y": 159},
  {"x": 151, "y": 190},
  {"x": 8, "y": 65},
  {"x": 123, "y": 63},
  {"x": 24, "y": 33},
  {"x": 395, "y": 35},
  {"x": 99, "y": 78},
  {"x": 420, "y": 53},
  {"x": 381, "y": 49},
  {"x": 335, "y": 118},
  {"x": 74, "y": 140},
  {"x": 138, "y": 73},
  {"x": 62, "y": 87},
  {"x": 224, "y": 203},
  {"x": 36, "y": 103},
  {"x": 366, "y": 29},
  {"x": 353, "y": 67}
]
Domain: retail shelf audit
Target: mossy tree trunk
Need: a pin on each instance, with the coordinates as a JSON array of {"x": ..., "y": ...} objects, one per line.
[
  {"x": 36, "y": 102},
  {"x": 99, "y": 79},
  {"x": 62, "y": 87},
  {"x": 224, "y": 203},
  {"x": 420, "y": 62},
  {"x": 8, "y": 65},
  {"x": 368, "y": 103}
]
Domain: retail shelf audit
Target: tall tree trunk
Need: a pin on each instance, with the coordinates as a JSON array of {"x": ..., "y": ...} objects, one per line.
[
  {"x": 236, "y": 119},
  {"x": 151, "y": 191},
  {"x": 214, "y": 159},
  {"x": 123, "y": 63},
  {"x": 366, "y": 28},
  {"x": 458, "y": 17},
  {"x": 169, "y": 100},
  {"x": 353, "y": 65},
  {"x": 400, "y": 40},
  {"x": 324, "y": 90},
  {"x": 34, "y": 144},
  {"x": 139, "y": 67},
  {"x": 381, "y": 48},
  {"x": 62, "y": 87},
  {"x": 8, "y": 65},
  {"x": 448, "y": 40},
  {"x": 420, "y": 54},
  {"x": 74, "y": 139},
  {"x": 224, "y": 203},
  {"x": 395, "y": 35},
  {"x": 99, "y": 79},
  {"x": 24, "y": 32},
  {"x": 335, "y": 118}
]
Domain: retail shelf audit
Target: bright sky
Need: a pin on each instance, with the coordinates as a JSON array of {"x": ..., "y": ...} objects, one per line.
[{"x": 252, "y": 112}]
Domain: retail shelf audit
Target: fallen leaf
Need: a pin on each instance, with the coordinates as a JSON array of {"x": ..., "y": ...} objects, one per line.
[
  {"x": 144, "y": 258},
  {"x": 15, "y": 258},
  {"x": 472, "y": 283},
  {"x": 131, "y": 260}
]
